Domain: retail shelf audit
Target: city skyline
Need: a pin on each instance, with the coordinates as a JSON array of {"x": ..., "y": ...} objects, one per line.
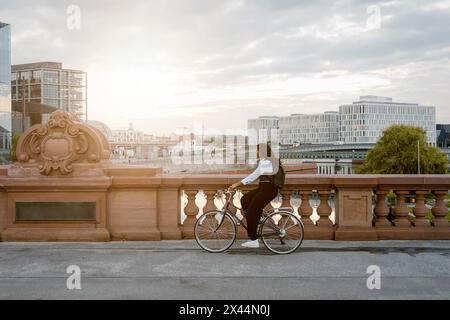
[
  {"x": 254, "y": 59},
  {"x": 362, "y": 121}
]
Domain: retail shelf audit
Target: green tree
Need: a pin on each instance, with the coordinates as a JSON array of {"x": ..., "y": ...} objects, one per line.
[{"x": 396, "y": 153}]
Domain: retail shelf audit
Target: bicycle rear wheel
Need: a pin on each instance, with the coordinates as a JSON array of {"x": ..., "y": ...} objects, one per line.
[
  {"x": 215, "y": 231},
  {"x": 282, "y": 232}
]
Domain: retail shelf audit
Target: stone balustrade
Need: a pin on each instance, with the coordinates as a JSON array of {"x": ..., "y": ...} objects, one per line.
[
  {"x": 63, "y": 187},
  {"x": 132, "y": 203}
]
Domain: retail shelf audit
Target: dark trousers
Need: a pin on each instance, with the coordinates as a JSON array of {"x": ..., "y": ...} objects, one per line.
[{"x": 253, "y": 203}]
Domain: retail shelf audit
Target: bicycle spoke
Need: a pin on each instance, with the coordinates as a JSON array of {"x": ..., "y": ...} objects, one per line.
[
  {"x": 290, "y": 227},
  {"x": 286, "y": 219},
  {"x": 212, "y": 222},
  {"x": 216, "y": 233},
  {"x": 209, "y": 222},
  {"x": 285, "y": 239},
  {"x": 210, "y": 228},
  {"x": 225, "y": 233}
]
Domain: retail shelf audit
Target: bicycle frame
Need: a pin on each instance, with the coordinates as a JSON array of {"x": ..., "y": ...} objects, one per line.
[{"x": 225, "y": 208}]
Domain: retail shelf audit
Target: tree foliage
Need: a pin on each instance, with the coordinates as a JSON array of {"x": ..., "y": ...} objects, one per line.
[{"x": 396, "y": 153}]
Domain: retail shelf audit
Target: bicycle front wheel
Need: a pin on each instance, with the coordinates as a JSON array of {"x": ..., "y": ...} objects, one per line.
[
  {"x": 215, "y": 231},
  {"x": 282, "y": 232}
]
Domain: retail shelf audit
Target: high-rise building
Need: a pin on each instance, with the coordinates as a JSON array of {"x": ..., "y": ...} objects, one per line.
[
  {"x": 364, "y": 120},
  {"x": 5, "y": 90},
  {"x": 44, "y": 87},
  {"x": 309, "y": 128}
]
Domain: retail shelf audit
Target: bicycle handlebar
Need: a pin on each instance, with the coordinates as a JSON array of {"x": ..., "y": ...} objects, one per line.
[{"x": 229, "y": 191}]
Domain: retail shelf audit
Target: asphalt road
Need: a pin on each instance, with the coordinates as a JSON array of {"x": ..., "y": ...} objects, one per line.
[{"x": 180, "y": 270}]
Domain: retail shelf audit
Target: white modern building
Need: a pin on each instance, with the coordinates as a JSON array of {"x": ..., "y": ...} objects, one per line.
[
  {"x": 261, "y": 128},
  {"x": 309, "y": 128},
  {"x": 364, "y": 120},
  {"x": 263, "y": 122}
]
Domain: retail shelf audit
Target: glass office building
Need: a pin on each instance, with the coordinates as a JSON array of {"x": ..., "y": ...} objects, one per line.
[
  {"x": 5, "y": 91},
  {"x": 45, "y": 87}
]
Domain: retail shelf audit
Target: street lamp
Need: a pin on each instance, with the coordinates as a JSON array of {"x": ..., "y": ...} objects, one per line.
[
  {"x": 23, "y": 104},
  {"x": 418, "y": 156}
]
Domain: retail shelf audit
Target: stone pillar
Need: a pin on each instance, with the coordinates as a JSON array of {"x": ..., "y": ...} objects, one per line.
[
  {"x": 169, "y": 208},
  {"x": 401, "y": 210},
  {"x": 209, "y": 197},
  {"x": 420, "y": 211},
  {"x": 133, "y": 214},
  {"x": 305, "y": 209},
  {"x": 440, "y": 211},
  {"x": 354, "y": 214},
  {"x": 324, "y": 210},
  {"x": 3, "y": 210},
  {"x": 286, "y": 196},
  {"x": 191, "y": 211},
  {"x": 382, "y": 210}
]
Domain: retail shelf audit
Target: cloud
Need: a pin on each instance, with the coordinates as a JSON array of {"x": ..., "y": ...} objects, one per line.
[{"x": 255, "y": 56}]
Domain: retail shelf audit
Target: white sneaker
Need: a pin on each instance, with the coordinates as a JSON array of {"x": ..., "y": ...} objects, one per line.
[{"x": 251, "y": 244}]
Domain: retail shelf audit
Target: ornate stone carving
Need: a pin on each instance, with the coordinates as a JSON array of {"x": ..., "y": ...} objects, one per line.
[{"x": 64, "y": 140}]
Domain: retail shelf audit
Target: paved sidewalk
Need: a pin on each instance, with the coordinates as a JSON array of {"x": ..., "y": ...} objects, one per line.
[{"x": 180, "y": 270}]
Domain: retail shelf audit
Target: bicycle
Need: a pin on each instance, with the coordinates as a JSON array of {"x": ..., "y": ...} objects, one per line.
[{"x": 280, "y": 230}]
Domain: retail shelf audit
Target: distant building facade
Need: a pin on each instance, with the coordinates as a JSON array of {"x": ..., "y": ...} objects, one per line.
[
  {"x": 309, "y": 128},
  {"x": 443, "y": 135},
  {"x": 127, "y": 136},
  {"x": 48, "y": 85},
  {"x": 262, "y": 126},
  {"x": 135, "y": 144},
  {"x": 102, "y": 127},
  {"x": 364, "y": 120},
  {"x": 5, "y": 91}
]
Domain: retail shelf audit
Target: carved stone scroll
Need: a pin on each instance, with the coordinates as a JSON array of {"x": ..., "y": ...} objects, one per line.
[{"x": 61, "y": 142}]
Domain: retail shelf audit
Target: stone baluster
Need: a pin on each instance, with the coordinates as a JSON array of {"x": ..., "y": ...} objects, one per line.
[
  {"x": 305, "y": 210},
  {"x": 440, "y": 211},
  {"x": 285, "y": 203},
  {"x": 210, "y": 195},
  {"x": 382, "y": 210},
  {"x": 286, "y": 198},
  {"x": 401, "y": 210},
  {"x": 324, "y": 210},
  {"x": 420, "y": 211},
  {"x": 191, "y": 211}
]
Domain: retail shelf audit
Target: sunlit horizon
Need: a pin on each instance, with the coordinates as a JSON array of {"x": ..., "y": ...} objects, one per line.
[{"x": 166, "y": 64}]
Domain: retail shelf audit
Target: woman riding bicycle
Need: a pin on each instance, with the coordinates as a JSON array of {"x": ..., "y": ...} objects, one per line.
[{"x": 253, "y": 202}]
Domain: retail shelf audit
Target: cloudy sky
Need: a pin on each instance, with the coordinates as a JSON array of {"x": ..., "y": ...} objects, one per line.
[{"x": 163, "y": 64}]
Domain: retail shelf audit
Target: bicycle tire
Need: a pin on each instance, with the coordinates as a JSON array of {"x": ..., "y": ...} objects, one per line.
[
  {"x": 230, "y": 222},
  {"x": 297, "y": 223}
]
